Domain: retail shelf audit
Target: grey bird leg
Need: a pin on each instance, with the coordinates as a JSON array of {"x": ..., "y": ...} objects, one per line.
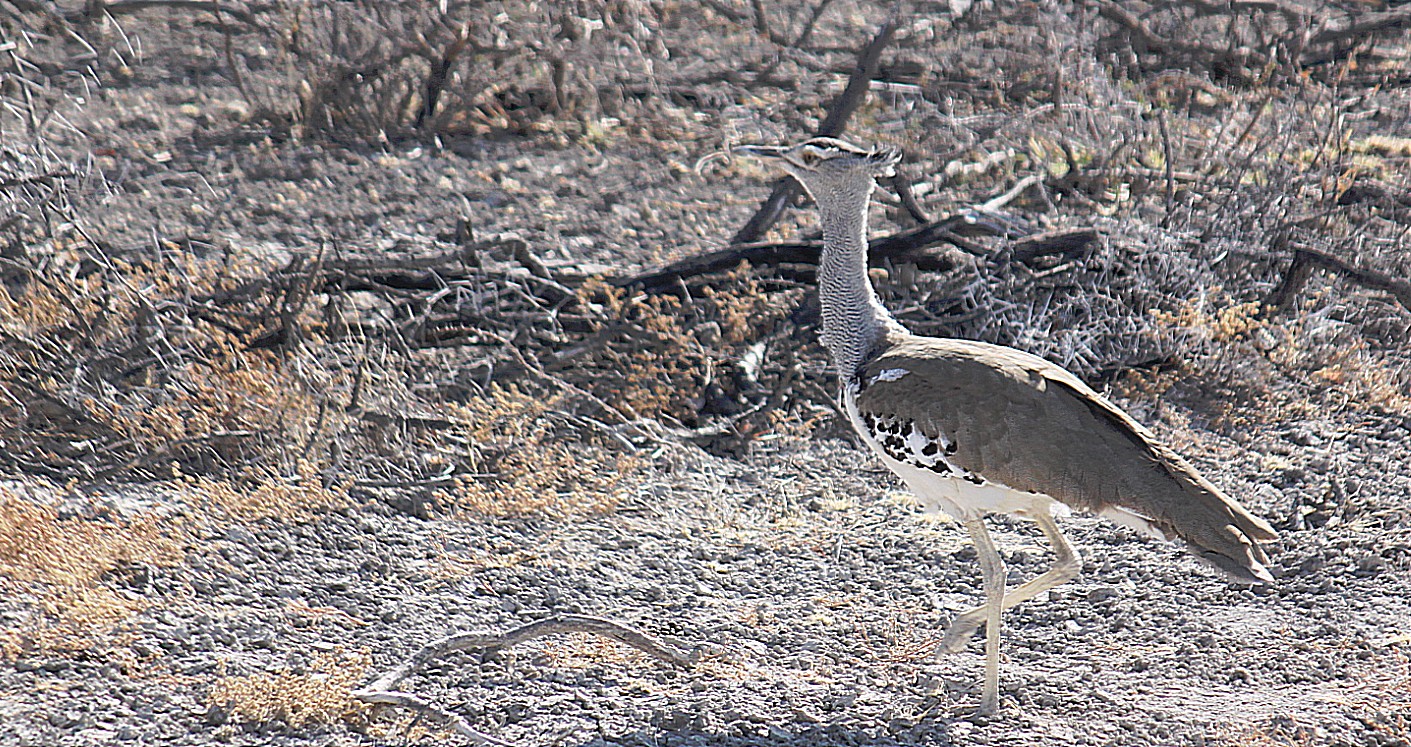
[
  {"x": 992, "y": 570},
  {"x": 1066, "y": 565}
]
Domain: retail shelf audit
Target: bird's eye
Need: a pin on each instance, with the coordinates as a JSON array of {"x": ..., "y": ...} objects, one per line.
[{"x": 810, "y": 158}]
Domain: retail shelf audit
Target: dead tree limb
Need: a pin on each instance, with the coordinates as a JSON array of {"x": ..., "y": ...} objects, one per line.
[
  {"x": 950, "y": 229},
  {"x": 1360, "y": 25},
  {"x": 380, "y": 691},
  {"x": 440, "y": 73},
  {"x": 833, "y": 125},
  {"x": 1070, "y": 244},
  {"x": 1305, "y": 260}
]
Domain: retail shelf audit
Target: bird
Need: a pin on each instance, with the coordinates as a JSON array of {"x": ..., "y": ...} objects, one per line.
[{"x": 974, "y": 429}]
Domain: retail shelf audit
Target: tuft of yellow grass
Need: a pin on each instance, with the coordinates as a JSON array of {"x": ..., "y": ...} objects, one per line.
[
  {"x": 521, "y": 469},
  {"x": 323, "y": 695},
  {"x": 61, "y": 563},
  {"x": 262, "y": 495},
  {"x": 1224, "y": 324}
]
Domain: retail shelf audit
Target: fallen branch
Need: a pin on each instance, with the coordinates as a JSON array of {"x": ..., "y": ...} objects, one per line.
[
  {"x": 1069, "y": 244},
  {"x": 380, "y": 691},
  {"x": 1305, "y": 260},
  {"x": 905, "y": 244},
  {"x": 132, "y": 6},
  {"x": 1360, "y": 25}
]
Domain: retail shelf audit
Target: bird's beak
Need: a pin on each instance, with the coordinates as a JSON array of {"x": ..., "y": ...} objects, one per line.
[{"x": 760, "y": 151}]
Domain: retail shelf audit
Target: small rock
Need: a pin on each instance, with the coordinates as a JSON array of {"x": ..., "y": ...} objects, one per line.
[
  {"x": 1102, "y": 594},
  {"x": 1370, "y": 565}
]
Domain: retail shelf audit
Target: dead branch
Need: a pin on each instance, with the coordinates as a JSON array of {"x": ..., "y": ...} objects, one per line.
[
  {"x": 1305, "y": 260},
  {"x": 380, "y": 691},
  {"x": 1070, "y": 243},
  {"x": 1301, "y": 30},
  {"x": 1365, "y": 24},
  {"x": 833, "y": 125},
  {"x": 902, "y": 185},
  {"x": 440, "y": 73},
  {"x": 904, "y": 245}
]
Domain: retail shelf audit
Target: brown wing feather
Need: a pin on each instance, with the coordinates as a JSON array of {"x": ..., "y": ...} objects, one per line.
[{"x": 1021, "y": 421}]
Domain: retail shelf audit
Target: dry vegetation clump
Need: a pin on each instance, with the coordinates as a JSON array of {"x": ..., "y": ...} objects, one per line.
[
  {"x": 370, "y": 69},
  {"x": 255, "y": 497},
  {"x": 520, "y": 466},
  {"x": 662, "y": 356},
  {"x": 1268, "y": 368},
  {"x": 321, "y": 694},
  {"x": 72, "y": 567}
]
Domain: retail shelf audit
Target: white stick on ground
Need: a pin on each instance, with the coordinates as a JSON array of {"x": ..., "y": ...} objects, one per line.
[{"x": 380, "y": 691}]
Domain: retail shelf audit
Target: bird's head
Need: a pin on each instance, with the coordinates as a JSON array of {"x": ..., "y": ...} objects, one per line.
[{"x": 828, "y": 168}]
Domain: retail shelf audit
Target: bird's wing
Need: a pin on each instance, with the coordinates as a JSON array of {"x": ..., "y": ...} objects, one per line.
[{"x": 1020, "y": 421}]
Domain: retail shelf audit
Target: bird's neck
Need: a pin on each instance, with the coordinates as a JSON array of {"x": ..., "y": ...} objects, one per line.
[{"x": 854, "y": 319}]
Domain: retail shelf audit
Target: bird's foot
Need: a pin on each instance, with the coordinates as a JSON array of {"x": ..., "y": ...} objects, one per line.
[
  {"x": 980, "y": 715},
  {"x": 961, "y": 630}
]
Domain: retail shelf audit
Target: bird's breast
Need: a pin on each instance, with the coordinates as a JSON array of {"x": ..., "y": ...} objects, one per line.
[{"x": 925, "y": 463}]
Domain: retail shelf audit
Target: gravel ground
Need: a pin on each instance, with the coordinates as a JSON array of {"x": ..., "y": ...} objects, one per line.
[{"x": 817, "y": 589}]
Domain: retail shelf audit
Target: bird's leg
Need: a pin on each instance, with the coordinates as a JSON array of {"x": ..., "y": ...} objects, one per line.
[
  {"x": 992, "y": 571},
  {"x": 1066, "y": 565}
]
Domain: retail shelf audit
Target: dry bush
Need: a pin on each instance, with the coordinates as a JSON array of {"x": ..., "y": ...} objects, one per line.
[
  {"x": 376, "y": 69},
  {"x": 111, "y": 364},
  {"x": 520, "y": 466},
  {"x": 321, "y": 695},
  {"x": 70, "y": 567},
  {"x": 659, "y": 356}
]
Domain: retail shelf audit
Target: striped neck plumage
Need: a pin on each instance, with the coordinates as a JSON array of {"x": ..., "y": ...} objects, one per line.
[{"x": 854, "y": 319}]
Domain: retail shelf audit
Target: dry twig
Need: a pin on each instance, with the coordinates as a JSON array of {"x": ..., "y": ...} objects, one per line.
[{"x": 380, "y": 692}]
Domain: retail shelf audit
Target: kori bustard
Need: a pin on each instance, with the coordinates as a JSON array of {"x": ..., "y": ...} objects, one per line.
[{"x": 974, "y": 428}]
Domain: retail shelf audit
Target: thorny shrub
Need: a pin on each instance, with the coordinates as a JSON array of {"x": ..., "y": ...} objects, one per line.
[{"x": 113, "y": 366}]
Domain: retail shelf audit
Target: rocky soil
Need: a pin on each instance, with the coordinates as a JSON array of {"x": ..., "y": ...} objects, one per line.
[{"x": 815, "y": 588}]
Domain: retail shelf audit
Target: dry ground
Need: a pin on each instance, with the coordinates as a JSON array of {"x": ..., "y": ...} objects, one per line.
[{"x": 244, "y": 473}]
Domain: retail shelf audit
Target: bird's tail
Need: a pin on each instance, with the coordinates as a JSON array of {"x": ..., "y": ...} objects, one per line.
[{"x": 1220, "y": 531}]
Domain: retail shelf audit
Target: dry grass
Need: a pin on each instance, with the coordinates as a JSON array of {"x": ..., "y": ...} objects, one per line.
[
  {"x": 519, "y": 467},
  {"x": 321, "y": 695},
  {"x": 1269, "y": 369},
  {"x": 68, "y": 566},
  {"x": 295, "y": 499},
  {"x": 69, "y": 569}
]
